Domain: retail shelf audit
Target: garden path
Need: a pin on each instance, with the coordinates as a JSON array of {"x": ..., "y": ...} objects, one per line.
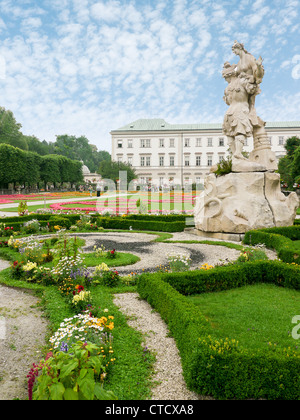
[{"x": 22, "y": 336}]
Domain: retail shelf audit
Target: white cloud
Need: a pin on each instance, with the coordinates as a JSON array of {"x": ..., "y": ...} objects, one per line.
[{"x": 89, "y": 66}]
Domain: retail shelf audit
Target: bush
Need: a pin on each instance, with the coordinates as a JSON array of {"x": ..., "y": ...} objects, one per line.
[
  {"x": 279, "y": 238},
  {"x": 126, "y": 223}
]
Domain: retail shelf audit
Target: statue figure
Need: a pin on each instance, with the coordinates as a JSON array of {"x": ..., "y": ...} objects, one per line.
[{"x": 241, "y": 120}]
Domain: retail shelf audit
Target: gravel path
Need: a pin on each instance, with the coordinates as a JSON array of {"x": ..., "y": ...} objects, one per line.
[
  {"x": 22, "y": 336},
  {"x": 167, "y": 369}
]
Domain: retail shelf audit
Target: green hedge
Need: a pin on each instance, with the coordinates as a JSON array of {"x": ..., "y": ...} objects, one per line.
[
  {"x": 40, "y": 217},
  {"x": 279, "y": 238},
  {"x": 154, "y": 225},
  {"x": 64, "y": 221},
  {"x": 216, "y": 367}
]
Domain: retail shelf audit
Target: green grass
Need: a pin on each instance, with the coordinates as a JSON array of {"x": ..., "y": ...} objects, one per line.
[
  {"x": 121, "y": 259},
  {"x": 255, "y": 315}
]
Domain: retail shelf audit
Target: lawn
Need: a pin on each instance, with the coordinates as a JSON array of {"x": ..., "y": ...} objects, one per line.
[
  {"x": 258, "y": 316},
  {"x": 145, "y": 202}
]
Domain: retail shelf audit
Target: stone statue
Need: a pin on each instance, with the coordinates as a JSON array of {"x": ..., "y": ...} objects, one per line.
[
  {"x": 241, "y": 120},
  {"x": 250, "y": 196}
]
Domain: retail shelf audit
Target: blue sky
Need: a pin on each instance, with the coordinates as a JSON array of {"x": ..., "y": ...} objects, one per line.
[{"x": 86, "y": 67}]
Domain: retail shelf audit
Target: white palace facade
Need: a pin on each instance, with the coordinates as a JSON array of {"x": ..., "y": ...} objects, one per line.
[{"x": 165, "y": 154}]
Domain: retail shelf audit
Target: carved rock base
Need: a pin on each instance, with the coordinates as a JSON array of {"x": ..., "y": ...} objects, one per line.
[{"x": 239, "y": 202}]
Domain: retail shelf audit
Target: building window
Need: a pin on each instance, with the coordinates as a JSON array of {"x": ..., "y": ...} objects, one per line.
[
  {"x": 186, "y": 161},
  {"x": 221, "y": 141},
  {"x": 186, "y": 142},
  {"x": 281, "y": 141},
  {"x": 148, "y": 161},
  {"x": 270, "y": 140},
  {"x": 161, "y": 142},
  {"x": 198, "y": 160},
  {"x": 161, "y": 160},
  {"x": 209, "y": 142},
  {"x": 129, "y": 160},
  {"x": 129, "y": 144},
  {"x": 198, "y": 142},
  {"x": 120, "y": 158},
  {"x": 120, "y": 144},
  {"x": 161, "y": 180},
  {"x": 198, "y": 180},
  {"x": 221, "y": 158},
  {"x": 142, "y": 161},
  {"x": 172, "y": 142},
  {"x": 172, "y": 161},
  {"x": 145, "y": 143},
  {"x": 209, "y": 160}
]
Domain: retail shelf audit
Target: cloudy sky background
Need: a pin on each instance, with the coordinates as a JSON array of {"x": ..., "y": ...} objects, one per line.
[{"x": 85, "y": 67}]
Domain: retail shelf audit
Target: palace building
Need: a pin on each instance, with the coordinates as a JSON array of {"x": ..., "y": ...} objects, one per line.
[{"x": 165, "y": 154}]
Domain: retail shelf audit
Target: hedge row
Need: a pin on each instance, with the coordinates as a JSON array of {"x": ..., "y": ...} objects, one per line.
[
  {"x": 215, "y": 366},
  {"x": 162, "y": 223},
  {"x": 151, "y": 224},
  {"x": 50, "y": 221},
  {"x": 40, "y": 217},
  {"x": 279, "y": 238}
]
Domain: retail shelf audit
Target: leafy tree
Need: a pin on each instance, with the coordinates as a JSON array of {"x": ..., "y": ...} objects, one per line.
[
  {"x": 49, "y": 169},
  {"x": 111, "y": 170},
  {"x": 289, "y": 165},
  {"x": 78, "y": 148},
  {"x": 291, "y": 145},
  {"x": 10, "y": 130},
  {"x": 12, "y": 165},
  {"x": 295, "y": 166},
  {"x": 35, "y": 145}
]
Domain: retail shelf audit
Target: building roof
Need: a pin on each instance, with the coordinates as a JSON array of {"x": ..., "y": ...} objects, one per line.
[{"x": 158, "y": 124}]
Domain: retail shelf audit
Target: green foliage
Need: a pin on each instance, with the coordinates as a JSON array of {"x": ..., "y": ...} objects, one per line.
[
  {"x": 140, "y": 224},
  {"x": 224, "y": 167},
  {"x": 73, "y": 375},
  {"x": 282, "y": 239},
  {"x": 111, "y": 170},
  {"x": 289, "y": 165}
]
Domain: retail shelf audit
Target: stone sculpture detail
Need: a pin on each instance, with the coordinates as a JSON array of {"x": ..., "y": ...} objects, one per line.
[{"x": 250, "y": 197}]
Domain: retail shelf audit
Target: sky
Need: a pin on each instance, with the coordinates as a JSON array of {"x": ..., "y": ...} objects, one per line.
[{"x": 86, "y": 67}]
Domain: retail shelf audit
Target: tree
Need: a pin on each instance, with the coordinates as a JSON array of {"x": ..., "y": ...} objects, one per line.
[
  {"x": 49, "y": 169},
  {"x": 291, "y": 145},
  {"x": 111, "y": 170},
  {"x": 78, "y": 148},
  {"x": 10, "y": 130},
  {"x": 35, "y": 145},
  {"x": 12, "y": 165},
  {"x": 289, "y": 166}
]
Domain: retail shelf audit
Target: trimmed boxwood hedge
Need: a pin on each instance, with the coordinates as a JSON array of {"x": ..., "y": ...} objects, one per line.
[
  {"x": 279, "y": 238},
  {"x": 151, "y": 224},
  {"x": 64, "y": 220},
  {"x": 219, "y": 367}
]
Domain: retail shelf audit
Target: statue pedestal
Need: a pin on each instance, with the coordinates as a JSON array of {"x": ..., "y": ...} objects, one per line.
[{"x": 238, "y": 202}]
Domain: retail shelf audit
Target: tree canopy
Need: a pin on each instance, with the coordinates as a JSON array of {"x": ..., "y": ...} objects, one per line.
[
  {"x": 69, "y": 146},
  {"x": 23, "y": 167},
  {"x": 289, "y": 165},
  {"x": 111, "y": 170}
]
